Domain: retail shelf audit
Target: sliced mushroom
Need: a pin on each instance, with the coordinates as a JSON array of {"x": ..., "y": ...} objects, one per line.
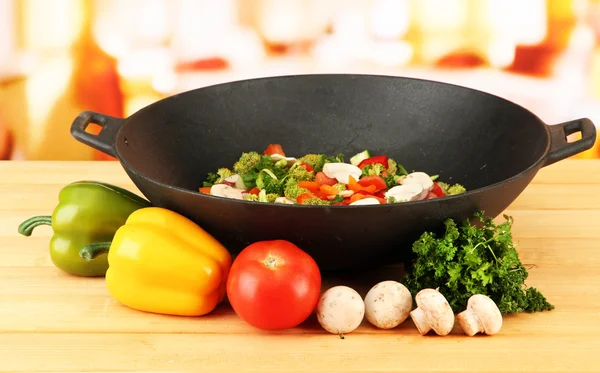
[
  {"x": 342, "y": 171},
  {"x": 365, "y": 201},
  {"x": 227, "y": 191},
  {"x": 278, "y": 157},
  {"x": 420, "y": 178},
  {"x": 284, "y": 200},
  {"x": 433, "y": 312},
  {"x": 235, "y": 181},
  {"x": 481, "y": 316},
  {"x": 388, "y": 304},
  {"x": 346, "y": 193},
  {"x": 406, "y": 193}
]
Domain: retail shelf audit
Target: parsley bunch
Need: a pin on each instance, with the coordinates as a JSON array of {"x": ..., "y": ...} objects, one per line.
[{"x": 469, "y": 260}]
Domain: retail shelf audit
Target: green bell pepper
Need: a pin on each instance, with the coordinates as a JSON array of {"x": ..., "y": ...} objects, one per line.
[{"x": 88, "y": 212}]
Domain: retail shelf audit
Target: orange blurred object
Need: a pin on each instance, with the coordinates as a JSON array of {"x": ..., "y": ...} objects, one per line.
[
  {"x": 6, "y": 143},
  {"x": 539, "y": 59},
  {"x": 95, "y": 76}
]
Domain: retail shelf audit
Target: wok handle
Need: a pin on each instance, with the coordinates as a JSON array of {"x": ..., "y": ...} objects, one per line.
[
  {"x": 103, "y": 141},
  {"x": 560, "y": 148}
]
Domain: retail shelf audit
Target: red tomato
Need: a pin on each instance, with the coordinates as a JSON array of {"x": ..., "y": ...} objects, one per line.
[
  {"x": 432, "y": 195},
  {"x": 437, "y": 190},
  {"x": 254, "y": 190},
  {"x": 274, "y": 149},
  {"x": 307, "y": 166},
  {"x": 382, "y": 159},
  {"x": 322, "y": 179},
  {"x": 273, "y": 285},
  {"x": 377, "y": 181}
]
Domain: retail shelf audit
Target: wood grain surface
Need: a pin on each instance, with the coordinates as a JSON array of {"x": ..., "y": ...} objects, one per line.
[{"x": 53, "y": 322}]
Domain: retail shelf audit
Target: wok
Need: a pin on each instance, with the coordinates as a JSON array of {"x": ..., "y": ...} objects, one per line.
[{"x": 490, "y": 145}]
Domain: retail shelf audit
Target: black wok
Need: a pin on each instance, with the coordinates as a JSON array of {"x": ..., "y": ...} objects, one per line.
[{"x": 490, "y": 145}]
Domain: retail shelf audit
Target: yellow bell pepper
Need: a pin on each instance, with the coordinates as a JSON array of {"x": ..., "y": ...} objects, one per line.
[{"x": 162, "y": 262}]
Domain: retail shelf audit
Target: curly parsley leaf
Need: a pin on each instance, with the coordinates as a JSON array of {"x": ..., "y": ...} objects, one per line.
[{"x": 470, "y": 259}]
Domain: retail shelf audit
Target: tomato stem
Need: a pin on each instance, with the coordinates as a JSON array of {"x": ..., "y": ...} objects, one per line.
[{"x": 270, "y": 262}]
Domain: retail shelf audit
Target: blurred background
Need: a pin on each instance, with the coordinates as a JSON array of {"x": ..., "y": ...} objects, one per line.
[{"x": 60, "y": 57}]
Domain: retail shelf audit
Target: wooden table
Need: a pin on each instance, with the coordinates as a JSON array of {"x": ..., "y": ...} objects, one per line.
[{"x": 53, "y": 322}]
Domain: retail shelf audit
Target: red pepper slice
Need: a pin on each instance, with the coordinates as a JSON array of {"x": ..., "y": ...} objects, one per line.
[
  {"x": 381, "y": 159},
  {"x": 274, "y": 149},
  {"x": 307, "y": 166},
  {"x": 437, "y": 190},
  {"x": 304, "y": 196},
  {"x": 377, "y": 181},
  {"x": 356, "y": 187}
]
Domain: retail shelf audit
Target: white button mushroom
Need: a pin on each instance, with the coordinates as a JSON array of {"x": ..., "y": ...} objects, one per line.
[
  {"x": 388, "y": 304},
  {"x": 433, "y": 312},
  {"x": 224, "y": 190},
  {"x": 340, "y": 310},
  {"x": 406, "y": 193},
  {"x": 342, "y": 171},
  {"x": 482, "y": 315},
  {"x": 420, "y": 178},
  {"x": 290, "y": 160},
  {"x": 365, "y": 201}
]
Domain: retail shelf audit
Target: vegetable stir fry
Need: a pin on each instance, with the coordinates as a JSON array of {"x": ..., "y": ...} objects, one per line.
[{"x": 323, "y": 180}]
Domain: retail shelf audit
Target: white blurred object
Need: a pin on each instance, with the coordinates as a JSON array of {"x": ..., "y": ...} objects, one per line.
[
  {"x": 243, "y": 48},
  {"x": 118, "y": 32},
  {"x": 349, "y": 41},
  {"x": 390, "y": 53},
  {"x": 522, "y": 21},
  {"x": 7, "y": 37},
  {"x": 200, "y": 27},
  {"x": 389, "y": 19},
  {"x": 292, "y": 21}
]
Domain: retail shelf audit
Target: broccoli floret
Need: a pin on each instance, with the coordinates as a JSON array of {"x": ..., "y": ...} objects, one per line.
[
  {"x": 451, "y": 189},
  {"x": 316, "y": 161},
  {"x": 373, "y": 169},
  {"x": 263, "y": 196},
  {"x": 391, "y": 199},
  {"x": 247, "y": 162},
  {"x": 392, "y": 167},
  {"x": 456, "y": 189},
  {"x": 400, "y": 170},
  {"x": 292, "y": 190},
  {"x": 338, "y": 158},
  {"x": 340, "y": 186},
  {"x": 265, "y": 163},
  {"x": 224, "y": 173},
  {"x": 216, "y": 178},
  {"x": 282, "y": 163},
  {"x": 269, "y": 182},
  {"x": 390, "y": 181},
  {"x": 271, "y": 197},
  {"x": 250, "y": 197},
  {"x": 211, "y": 179},
  {"x": 315, "y": 201},
  {"x": 300, "y": 173}
]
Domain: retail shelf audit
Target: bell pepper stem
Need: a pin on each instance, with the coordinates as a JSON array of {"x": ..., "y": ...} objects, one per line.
[
  {"x": 27, "y": 227},
  {"x": 89, "y": 252}
]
